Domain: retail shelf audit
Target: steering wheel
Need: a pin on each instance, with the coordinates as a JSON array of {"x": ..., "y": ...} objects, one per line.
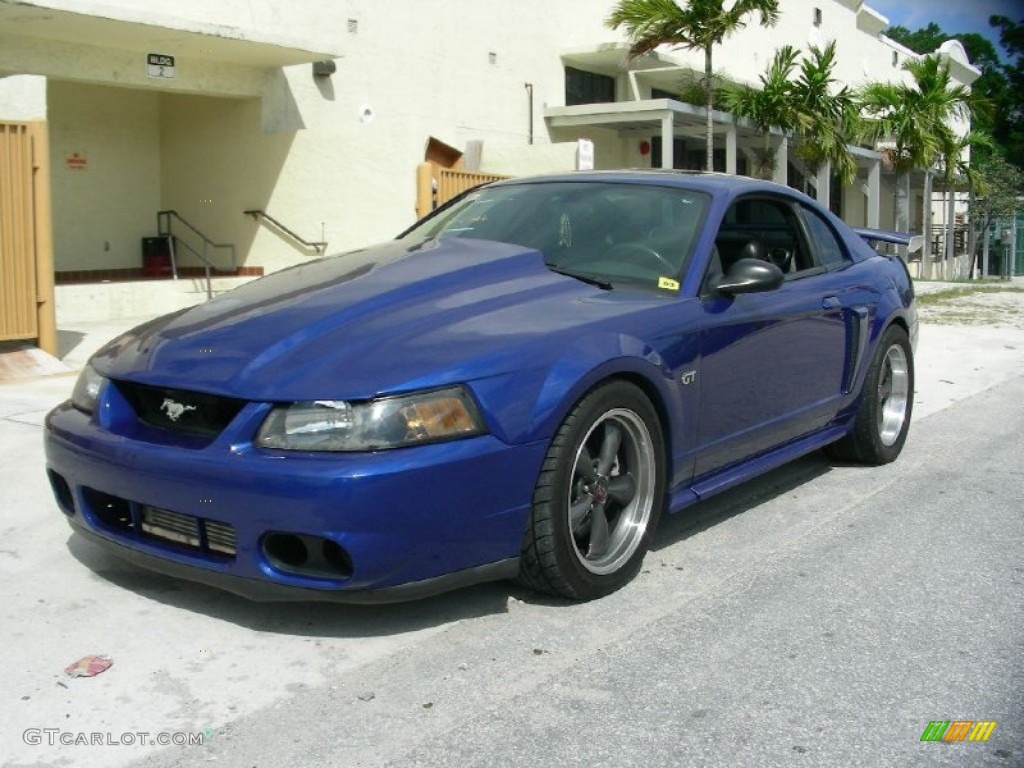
[{"x": 638, "y": 253}]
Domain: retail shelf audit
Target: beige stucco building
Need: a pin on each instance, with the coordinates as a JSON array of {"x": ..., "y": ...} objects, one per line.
[{"x": 317, "y": 112}]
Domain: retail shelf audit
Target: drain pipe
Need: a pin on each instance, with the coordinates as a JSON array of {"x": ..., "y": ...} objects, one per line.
[{"x": 529, "y": 96}]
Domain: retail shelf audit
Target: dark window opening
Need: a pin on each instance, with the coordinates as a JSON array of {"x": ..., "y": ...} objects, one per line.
[
  {"x": 588, "y": 87},
  {"x": 684, "y": 159}
]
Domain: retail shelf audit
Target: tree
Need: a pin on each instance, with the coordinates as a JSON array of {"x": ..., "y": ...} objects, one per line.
[
  {"x": 924, "y": 40},
  {"x": 1009, "y": 124},
  {"x": 829, "y": 122},
  {"x": 1000, "y": 87},
  {"x": 697, "y": 25},
  {"x": 1000, "y": 186},
  {"x": 912, "y": 118},
  {"x": 825, "y": 122},
  {"x": 955, "y": 167},
  {"x": 770, "y": 106}
]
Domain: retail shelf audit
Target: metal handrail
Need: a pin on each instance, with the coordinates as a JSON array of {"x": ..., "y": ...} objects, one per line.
[
  {"x": 206, "y": 264},
  {"x": 317, "y": 245},
  {"x": 164, "y": 221}
]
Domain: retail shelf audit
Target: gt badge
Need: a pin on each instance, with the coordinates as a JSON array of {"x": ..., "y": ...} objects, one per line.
[{"x": 688, "y": 377}]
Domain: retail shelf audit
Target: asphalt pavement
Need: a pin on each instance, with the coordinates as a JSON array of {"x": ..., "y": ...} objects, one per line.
[{"x": 822, "y": 615}]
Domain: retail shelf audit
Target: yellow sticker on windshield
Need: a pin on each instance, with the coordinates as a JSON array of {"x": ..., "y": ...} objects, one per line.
[{"x": 668, "y": 284}]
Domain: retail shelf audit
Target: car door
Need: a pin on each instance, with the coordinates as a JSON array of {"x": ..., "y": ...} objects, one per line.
[{"x": 772, "y": 363}]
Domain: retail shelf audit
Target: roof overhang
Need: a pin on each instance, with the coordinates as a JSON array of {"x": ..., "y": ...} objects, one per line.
[
  {"x": 871, "y": 21},
  {"x": 646, "y": 114},
  {"x": 128, "y": 29}
]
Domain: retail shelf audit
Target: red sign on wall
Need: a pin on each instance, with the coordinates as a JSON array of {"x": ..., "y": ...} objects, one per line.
[{"x": 76, "y": 161}]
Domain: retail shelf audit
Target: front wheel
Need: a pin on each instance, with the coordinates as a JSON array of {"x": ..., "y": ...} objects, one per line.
[
  {"x": 598, "y": 497},
  {"x": 887, "y": 400}
]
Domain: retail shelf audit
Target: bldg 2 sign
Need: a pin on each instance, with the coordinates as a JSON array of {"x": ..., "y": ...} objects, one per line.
[{"x": 159, "y": 65}]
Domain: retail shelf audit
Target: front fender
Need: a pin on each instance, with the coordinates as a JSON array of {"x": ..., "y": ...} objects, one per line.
[{"x": 528, "y": 406}]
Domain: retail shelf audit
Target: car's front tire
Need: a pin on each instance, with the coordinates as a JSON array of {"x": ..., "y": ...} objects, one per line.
[
  {"x": 887, "y": 401},
  {"x": 598, "y": 497}
]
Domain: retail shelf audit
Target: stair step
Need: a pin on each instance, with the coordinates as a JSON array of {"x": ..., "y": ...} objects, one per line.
[{"x": 104, "y": 301}]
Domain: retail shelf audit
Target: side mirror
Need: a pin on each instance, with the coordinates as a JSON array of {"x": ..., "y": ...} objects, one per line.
[{"x": 749, "y": 276}]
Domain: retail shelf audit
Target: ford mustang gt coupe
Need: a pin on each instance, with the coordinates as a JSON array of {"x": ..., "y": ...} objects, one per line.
[{"x": 516, "y": 387}]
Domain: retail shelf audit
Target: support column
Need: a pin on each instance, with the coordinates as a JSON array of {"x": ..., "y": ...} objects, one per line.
[
  {"x": 926, "y": 218},
  {"x": 823, "y": 180},
  {"x": 874, "y": 201},
  {"x": 730, "y": 149},
  {"x": 780, "y": 174},
  {"x": 668, "y": 134},
  {"x": 46, "y": 309}
]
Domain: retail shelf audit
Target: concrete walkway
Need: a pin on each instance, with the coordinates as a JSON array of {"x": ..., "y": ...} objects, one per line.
[{"x": 187, "y": 660}]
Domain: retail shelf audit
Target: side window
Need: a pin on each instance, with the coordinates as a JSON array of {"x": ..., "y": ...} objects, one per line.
[
  {"x": 826, "y": 246},
  {"x": 762, "y": 228}
]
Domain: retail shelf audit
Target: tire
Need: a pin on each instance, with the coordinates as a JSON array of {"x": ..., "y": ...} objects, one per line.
[
  {"x": 598, "y": 498},
  {"x": 887, "y": 401}
]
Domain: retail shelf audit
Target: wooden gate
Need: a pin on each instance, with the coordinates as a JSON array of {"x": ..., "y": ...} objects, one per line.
[
  {"x": 26, "y": 258},
  {"x": 435, "y": 186}
]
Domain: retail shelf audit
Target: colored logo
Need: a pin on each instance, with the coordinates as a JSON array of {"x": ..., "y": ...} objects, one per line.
[{"x": 958, "y": 730}]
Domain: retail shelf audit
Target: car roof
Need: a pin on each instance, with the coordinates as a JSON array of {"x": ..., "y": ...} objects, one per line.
[{"x": 712, "y": 183}]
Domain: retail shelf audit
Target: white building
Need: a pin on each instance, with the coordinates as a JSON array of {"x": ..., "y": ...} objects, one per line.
[{"x": 318, "y": 112}]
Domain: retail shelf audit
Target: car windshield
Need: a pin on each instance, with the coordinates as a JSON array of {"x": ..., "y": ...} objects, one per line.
[{"x": 601, "y": 231}]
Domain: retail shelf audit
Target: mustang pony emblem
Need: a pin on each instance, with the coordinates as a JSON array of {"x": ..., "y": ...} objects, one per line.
[{"x": 175, "y": 410}]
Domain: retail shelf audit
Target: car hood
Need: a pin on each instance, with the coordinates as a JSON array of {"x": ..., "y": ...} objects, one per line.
[{"x": 390, "y": 318}]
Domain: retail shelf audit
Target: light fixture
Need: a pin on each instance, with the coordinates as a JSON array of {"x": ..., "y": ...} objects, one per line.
[{"x": 324, "y": 68}]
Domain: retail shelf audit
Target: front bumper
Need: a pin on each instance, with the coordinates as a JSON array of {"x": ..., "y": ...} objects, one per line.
[{"x": 412, "y": 521}]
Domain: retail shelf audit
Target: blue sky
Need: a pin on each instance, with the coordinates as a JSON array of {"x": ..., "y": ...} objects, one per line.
[{"x": 951, "y": 15}]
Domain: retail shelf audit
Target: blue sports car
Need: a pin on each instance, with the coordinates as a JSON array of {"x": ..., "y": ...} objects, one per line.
[{"x": 516, "y": 387}]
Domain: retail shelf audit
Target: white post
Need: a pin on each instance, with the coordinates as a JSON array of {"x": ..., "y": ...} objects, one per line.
[
  {"x": 950, "y": 254},
  {"x": 730, "y": 148},
  {"x": 780, "y": 174},
  {"x": 874, "y": 193},
  {"x": 824, "y": 183},
  {"x": 984, "y": 248},
  {"x": 667, "y": 140},
  {"x": 926, "y": 250}
]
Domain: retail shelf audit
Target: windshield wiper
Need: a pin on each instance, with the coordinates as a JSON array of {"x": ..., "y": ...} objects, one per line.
[{"x": 588, "y": 279}]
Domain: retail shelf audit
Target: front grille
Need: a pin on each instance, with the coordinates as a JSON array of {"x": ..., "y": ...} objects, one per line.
[
  {"x": 220, "y": 537},
  {"x": 178, "y": 410},
  {"x": 188, "y": 531},
  {"x": 181, "y": 529}
]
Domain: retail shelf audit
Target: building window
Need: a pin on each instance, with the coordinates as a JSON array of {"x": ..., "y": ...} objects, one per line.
[
  {"x": 895, "y": 58},
  {"x": 353, "y": 26},
  {"x": 492, "y": 57},
  {"x": 817, "y": 17},
  {"x": 588, "y": 87}
]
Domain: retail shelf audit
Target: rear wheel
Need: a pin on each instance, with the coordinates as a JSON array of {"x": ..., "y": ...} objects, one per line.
[
  {"x": 887, "y": 401},
  {"x": 598, "y": 497}
]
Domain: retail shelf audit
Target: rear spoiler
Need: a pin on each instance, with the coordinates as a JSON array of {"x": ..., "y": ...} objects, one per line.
[{"x": 912, "y": 242}]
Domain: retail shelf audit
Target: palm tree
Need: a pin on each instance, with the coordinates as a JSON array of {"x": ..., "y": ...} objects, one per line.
[
  {"x": 697, "y": 25},
  {"x": 912, "y": 117},
  {"x": 952, "y": 148},
  {"x": 829, "y": 122},
  {"x": 770, "y": 106}
]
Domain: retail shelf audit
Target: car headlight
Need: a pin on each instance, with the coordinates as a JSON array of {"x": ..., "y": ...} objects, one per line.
[
  {"x": 392, "y": 422},
  {"x": 87, "y": 389}
]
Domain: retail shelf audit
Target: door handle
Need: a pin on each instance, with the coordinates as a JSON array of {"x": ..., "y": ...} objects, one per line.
[{"x": 830, "y": 302}]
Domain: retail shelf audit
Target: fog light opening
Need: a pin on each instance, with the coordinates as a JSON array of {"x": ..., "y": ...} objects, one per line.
[
  {"x": 304, "y": 555},
  {"x": 337, "y": 558},
  {"x": 286, "y": 551},
  {"x": 62, "y": 492}
]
